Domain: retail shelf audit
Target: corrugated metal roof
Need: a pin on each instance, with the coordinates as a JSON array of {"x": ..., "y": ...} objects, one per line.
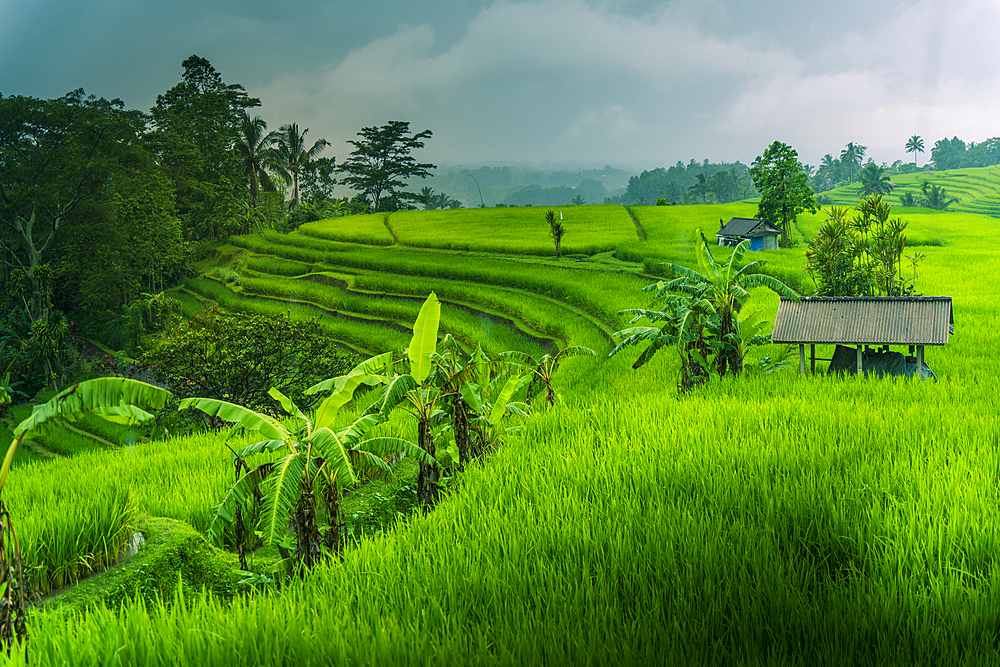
[
  {"x": 748, "y": 227},
  {"x": 906, "y": 320}
]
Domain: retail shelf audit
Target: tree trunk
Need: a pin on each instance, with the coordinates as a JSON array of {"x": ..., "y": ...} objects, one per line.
[
  {"x": 334, "y": 520},
  {"x": 463, "y": 437},
  {"x": 308, "y": 547},
  {"x": 429, "y": 474}
]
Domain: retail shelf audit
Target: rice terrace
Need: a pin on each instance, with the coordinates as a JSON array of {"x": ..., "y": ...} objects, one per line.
[{"x": 255, "y": 421}]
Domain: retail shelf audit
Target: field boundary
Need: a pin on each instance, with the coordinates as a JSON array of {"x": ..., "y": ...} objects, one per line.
[{"x": 640, "y": 231}]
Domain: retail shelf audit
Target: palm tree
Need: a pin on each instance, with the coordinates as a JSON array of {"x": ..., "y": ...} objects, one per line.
[
  {"x": 253, "y": 146},
  {"x": 874, "y": 180},
  {"x": 915, "y": 145},
  {"x": 935, "y": 197},
  {"x": 701, "y": 190},
  {"x": 289, "y": 156},
  {"x": 850, "y": 157}
]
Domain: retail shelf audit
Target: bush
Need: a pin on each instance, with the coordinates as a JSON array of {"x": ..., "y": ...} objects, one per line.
[{"x": 238, "y": 357}]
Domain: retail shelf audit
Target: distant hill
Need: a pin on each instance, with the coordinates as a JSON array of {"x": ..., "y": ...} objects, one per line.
[{"x": 976, "y": 189}]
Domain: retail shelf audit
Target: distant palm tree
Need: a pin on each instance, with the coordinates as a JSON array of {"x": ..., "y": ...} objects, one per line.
[
  {"x": 289, "y": 157},
  {"x": 252, "y": 146},
  {"x": 578, "y": 200},
  {"x": 874, "y": 180},
  {"x": 701, "y": 189},
  {"x": 915, "y": 145},
  {"x": 850, "y": 157},
  {"x": 935, "y": 197},
  {"x": 556, "y": 231}
]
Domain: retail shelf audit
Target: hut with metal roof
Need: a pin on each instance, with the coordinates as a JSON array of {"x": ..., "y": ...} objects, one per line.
[
  {"x": 761, "y": 234},
  {"x": 863, "y": 322}
]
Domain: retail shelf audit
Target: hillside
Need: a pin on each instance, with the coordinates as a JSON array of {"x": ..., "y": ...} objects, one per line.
[
  {"x": 764, "y": 519},
  {"x": 977, "y": 190}
]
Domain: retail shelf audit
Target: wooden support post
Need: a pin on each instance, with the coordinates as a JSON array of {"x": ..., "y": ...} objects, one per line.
[
  {"x": 802, "y": 358},
  {"x": 920, "y": 360},
  {"x": 812, "y": 358},
  {"x": 860, "y": 362}
]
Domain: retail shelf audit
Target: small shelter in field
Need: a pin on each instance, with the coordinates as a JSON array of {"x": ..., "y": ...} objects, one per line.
[
  {"x": 761, "y": 234},
  {"x": 865, "y": 322}
]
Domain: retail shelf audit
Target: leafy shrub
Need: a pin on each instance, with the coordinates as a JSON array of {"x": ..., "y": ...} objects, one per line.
[{"x": 238, "y": 357}]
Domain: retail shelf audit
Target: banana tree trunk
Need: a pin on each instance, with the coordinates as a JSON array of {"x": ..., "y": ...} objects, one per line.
[
  {"x": 308, "y": 546},
  {"x": 334, "y": 519},
  {"x": 429, "y": 475},
  {"x": 463, "y": 437}
]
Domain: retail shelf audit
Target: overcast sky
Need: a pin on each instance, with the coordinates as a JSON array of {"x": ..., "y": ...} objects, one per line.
[{"x": 632, "y": 83}]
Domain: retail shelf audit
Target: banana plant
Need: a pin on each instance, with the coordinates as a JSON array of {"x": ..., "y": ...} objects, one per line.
[
  {"x": 474, "y": 385},
  {"x": 490, "y": 400},
  {"x": 119, "y": 400},
  {"x": 544, "y": 368},
  {"x": 416, "y": 393},
  {"x": 316, "y": 457},
  {"x": 698, "y": 313}
]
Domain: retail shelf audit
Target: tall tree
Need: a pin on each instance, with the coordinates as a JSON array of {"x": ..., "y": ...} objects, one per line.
[
  {"x": 915, "y": 145},
  {"x": 380, "y": 165},
  {"x": 57, "y": 157},
  {"x": 252, "y": 146},
  {"x": 782, "y": 182},
  {"x": 851, "y": 158},
  {"x": 290, "y": 157},
  {"x": 194, "y": 128}
]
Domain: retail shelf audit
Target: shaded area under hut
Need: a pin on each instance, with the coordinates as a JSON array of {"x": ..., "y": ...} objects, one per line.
[{"x": 870, "y": 325}]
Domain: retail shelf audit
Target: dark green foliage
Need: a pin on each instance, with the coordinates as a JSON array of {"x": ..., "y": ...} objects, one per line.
[
  {"x": 860, "y": 257},
  {"x": 195, "y": 126},
  {"x": 239, "y": 357},
  {"x": 556, "y": 231},
  {"x": 380, "y": 165},
  {"x": 874, "y": 180},
  {"x": 782, "y": 182},
  {"x": 289, "y": 158},
  {"x": 702, "y": 182},
  {"x": 935, "y": 197},
  {"x": 956, "y": 154}
]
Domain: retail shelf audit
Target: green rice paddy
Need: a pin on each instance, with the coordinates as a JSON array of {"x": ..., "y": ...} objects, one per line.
[{"x": 769, "y": 519}]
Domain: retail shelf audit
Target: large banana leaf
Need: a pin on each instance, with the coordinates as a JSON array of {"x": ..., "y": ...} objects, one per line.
[
  {"x": 281, "y": 491},
  {"x": 470, "y": 394},
  {"x": 514, "y": 384},
  {"x": 424, "y": 341},
  {"x": 124, "y": 414},
  {"x": 383, "y": 446},
  {"x": 91, "y": 396},
  {"x": 373, "y": 367},
  {"x": 392, "y": 395},
  {"x": 327, "y": 411},
  {"x": 350, "y": 434},
  {"x": 114, "y": 396},
  {"x": 287, "y": 404},
  {"x": 338, "y": 468},
  {"x": 245, "y": 417}
]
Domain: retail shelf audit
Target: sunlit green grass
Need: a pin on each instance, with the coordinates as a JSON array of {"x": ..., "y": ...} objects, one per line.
[
  {"x": 765, "y": 519},
  {"x": 368, "y": 229},
  {"x": 589, "y": 229}
]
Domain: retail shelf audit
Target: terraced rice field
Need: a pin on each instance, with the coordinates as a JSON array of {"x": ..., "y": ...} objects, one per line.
[
  {"x": 765, "y": 519},
  {"x": 977, "y": 190}
]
